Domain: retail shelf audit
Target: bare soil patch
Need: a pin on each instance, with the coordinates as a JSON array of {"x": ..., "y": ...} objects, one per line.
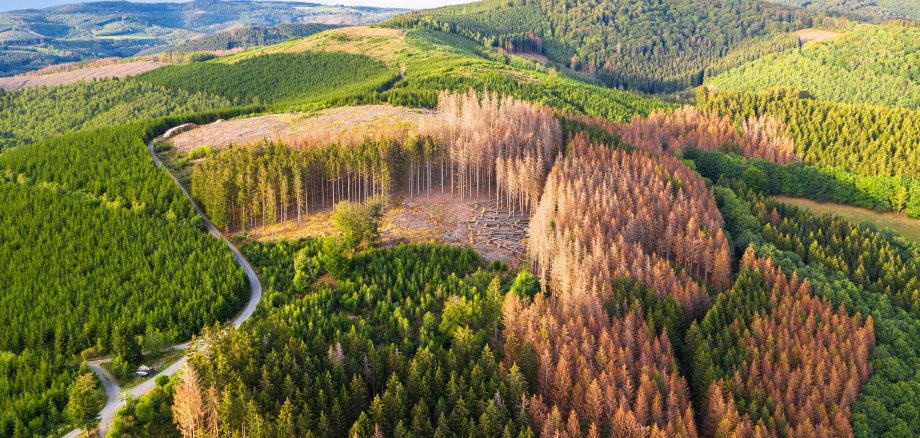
[
  {"x": 806, "y": 35},
  {"x": 120, "y": 70},
  {"x": 345, "y": 125},
  {"x": 440, "y": 218},
  {"x": 109, "y": 71}
]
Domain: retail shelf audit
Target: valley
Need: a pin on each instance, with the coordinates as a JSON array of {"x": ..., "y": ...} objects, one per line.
[{"x": 502, "y": 218}]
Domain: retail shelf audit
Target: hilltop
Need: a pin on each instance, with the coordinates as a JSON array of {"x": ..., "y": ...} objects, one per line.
[{"x": 34, "y": 38}]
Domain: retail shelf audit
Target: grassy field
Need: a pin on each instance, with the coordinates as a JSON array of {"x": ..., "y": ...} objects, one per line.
[{"x": 907, "y": 227}]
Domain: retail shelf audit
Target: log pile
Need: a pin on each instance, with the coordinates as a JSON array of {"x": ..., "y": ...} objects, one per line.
[{"x": 496, "y": 227}]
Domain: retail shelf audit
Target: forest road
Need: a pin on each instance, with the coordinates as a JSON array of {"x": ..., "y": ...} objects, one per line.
[{"x": 112, "y": 390}]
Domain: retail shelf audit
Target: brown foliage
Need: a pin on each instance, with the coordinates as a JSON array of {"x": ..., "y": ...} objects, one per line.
[
  {"x": 495, "y": 142},
  {"x": 805, "y": 355},
  {"x": 604, "y": 372},
  {"x": 763, "y": 137},
  {"x": 608, "y": 213}
]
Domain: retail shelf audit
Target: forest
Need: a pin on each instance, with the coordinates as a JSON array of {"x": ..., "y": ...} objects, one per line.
[
  {"x": 473, "y": 147},
  {"x": 278, "y": 78},
  {"x": 867, "y": 64},
  {"x": 864, "y": 140},
  {"x": 662, "y": 47},
  {"x": 86, "y": 213},
  {"x": 663, "y": 292}
]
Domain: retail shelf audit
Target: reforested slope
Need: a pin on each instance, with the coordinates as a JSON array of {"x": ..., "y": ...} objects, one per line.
[
  {"x": 36, "y": 114},
  {"x": 653, "y": 47},
  {"x": 866, "y": 65},
  {"x": 280, "y": 78},
  {"x": 90, "y": 234}
]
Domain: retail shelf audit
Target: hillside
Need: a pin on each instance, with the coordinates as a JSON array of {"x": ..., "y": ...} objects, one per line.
[
  {"x": 868, "y": 64},
  {"x": 873, "y": 10},
  {"x": 470, "y": 221},
  {"x": 250, "y": 36},
  {"x": 31, "y": 39},
  {"x": 652, "y": 47}
]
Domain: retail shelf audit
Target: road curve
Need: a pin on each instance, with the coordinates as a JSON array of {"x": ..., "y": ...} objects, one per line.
[{"x": 112, "y": 390}]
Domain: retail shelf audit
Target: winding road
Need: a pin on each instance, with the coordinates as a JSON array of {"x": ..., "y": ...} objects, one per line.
[{"x": 112, "y": 390}]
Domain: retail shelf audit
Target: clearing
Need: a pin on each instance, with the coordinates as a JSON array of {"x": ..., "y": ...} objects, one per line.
[
  {"x": 120, "y": 70},
  {"x": 902, "y": 224},
  {"x": 806, "y": 35},
  {"x": 376, "y": 42},
  {"x": 348, "y": 125},
  {"x": 440, "y": 218}
]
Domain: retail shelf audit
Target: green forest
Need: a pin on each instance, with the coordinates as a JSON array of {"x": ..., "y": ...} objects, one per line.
[
  {"x": 867, "y": 64},
  {"x": 661, "y": 47}
]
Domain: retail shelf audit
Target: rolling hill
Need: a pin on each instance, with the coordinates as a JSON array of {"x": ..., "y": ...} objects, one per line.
[
  {"x": 653, "y": 47},
  {"x": 868, "y": 64},
  {"x": 31, "y": 39}
]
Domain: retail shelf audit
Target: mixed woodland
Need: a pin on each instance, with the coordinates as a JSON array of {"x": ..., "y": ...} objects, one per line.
[{"x": 664, "y": 293}]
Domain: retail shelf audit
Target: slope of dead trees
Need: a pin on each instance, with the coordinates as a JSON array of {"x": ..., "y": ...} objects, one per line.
[
  {"x": 472, "y": 147},
  {"x": 609, "y": 213},
  {"x": 803, "y": 360},
  {"x": 764, "y": 137},
  {"x": 606, "y": 215}
]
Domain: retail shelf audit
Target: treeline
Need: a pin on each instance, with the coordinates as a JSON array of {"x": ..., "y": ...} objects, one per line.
[
  {"x": 676, "y": 131},
  {"x": 453, "y": 64},
  {"x": 864, "y": 140},
  {"x": 283, "y": 78},
  {"x": 251, "y": 36},
  {"x": 772, "y": 359},
  {"x": 885, "y": 404},
  {"x": 663, "y": 47},
  {"x": 35, "y": 114},
  {"x": 399, "y": 348},
  {"x": 473, "y": 147},
  {"x": 865, "y": 65},
  {"x": 812, "y": 182},
  {"x": 94, "y": 235}
]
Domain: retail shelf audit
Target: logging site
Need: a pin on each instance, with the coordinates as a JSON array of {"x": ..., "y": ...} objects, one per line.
[{"x": 467, "y": 173}]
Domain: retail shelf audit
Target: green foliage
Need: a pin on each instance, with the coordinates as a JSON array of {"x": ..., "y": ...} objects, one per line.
[
  {"x": 873, "y": 10},
  {"x": 150, "y": 415},
  {"x": 94, "y": 235},
  {"x": 449, "y": 62},
  {"x": 820, "y": 184},
  {"x": 401, "y": 343},
  {"x": 311, "y": 77},
  {"x": 652, "y": 47},
  {"x": 35, "y": 114},
  {"x": 83, "y": 402},
  {"x": 864, "y": 140},
  {"x": 357, "y": 224},
  {"x": 40, "y": 37},
  {"x": 34, "y": 391},
  {"x": 866, "y": 65}
]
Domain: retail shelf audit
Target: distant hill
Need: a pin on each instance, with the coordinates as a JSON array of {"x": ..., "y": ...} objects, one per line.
[
  {"x": 35, "y": 38},
  {"x": 872, "y": 10},
  {"x": 874, "y": 64},
  {"x": 661, "y": 46},
  {"x": 251, "y": 36}
]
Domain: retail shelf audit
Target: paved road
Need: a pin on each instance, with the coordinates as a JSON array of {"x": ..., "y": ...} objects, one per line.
[{"x": 112, "y": 390}]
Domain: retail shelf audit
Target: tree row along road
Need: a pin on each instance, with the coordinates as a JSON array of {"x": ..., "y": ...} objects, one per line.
[{"x": 112, "y": 390}]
